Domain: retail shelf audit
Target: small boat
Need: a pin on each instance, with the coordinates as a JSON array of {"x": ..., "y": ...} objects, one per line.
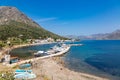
[
  {"x": 25, "y": 76},
  {"x": 22, "y": 66},
  {"x": 19, "y": 71},
  {"x": 14, "y": 60}
]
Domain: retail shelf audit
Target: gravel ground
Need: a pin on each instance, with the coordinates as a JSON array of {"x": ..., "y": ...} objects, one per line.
[{"x": 49, "y": 69}]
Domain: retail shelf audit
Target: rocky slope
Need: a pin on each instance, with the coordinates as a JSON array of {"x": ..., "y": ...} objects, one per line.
[
  {"x": 14, "y": 23},
  {"x": 8, "y": 14},
  {"x": 115, "y": 35}
]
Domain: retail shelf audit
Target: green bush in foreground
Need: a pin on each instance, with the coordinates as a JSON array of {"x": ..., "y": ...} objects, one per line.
[
  {"x": 2, "y": 44},
  {"x": 6, "y": 76}
]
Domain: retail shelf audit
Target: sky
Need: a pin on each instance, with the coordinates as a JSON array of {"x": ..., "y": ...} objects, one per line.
[{"x": 71, "y": 17}]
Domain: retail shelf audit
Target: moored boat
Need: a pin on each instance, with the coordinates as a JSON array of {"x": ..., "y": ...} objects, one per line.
[
  {"x": 14, "y": 60},
  {"x": 21, "y": 71},
  {"x": 25, "y": 76},
  {"x": 40, "y": 53},
  {"x": 27, "y": 65}
]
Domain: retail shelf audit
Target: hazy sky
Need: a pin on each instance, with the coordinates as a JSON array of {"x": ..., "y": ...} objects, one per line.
[{"x": 71, "y": 17}]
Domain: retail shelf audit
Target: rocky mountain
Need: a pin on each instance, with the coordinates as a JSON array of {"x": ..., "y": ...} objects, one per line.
[
  {"x": 14, "y": 23},
  {"x": 107, "y": 36},
  {"x": 71, "y": 36},
  {"x": 8, "y": 14},
  {"x": 115, "y": 35}
]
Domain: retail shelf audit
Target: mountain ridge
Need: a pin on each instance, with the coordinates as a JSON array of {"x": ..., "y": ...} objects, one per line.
[
  {"x": 8, "y": 13},
  {"x": 115, "y": 35},
  {"x": 14, "y": 23}
]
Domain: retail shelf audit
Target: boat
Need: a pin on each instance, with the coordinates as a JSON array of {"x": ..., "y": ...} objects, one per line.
[
  {"x": 40, "y": 53},
  {"x": 14, "y": 60},
  {"x": 25, "y": 76},
  {"x": 57, "y": 48},
  {"x": 19, "y": 71},
  {"x": 27, "y": 65}
]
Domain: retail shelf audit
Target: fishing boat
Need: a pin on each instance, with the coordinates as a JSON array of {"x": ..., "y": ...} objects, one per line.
[
  {"x": 40, "y": 53},
  {"x": 57, "y": 48}
]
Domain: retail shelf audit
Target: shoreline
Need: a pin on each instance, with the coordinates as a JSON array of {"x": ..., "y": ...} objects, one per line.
[
  {"x": 38, "y": 58},
  {"x": 55, "y": 71},
  {"x": 5, "y": 50},
  {"x": 88, "y": 69},
  {"x": 60, "y": 69}
]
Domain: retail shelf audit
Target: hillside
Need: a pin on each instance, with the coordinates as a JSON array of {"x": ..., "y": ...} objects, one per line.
[
  {"x": 115, "y": 35},
  {"x": 14, "y": 23}
]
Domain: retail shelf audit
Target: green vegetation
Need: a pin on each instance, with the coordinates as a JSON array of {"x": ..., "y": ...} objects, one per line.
[
  {"x": 6, "y": 76},
  {"x": 10, "y": 42},
  {"x": 2, "y": 44},
  {"x": 15, "y": 29},
  {"x": 14, "y": 41}
]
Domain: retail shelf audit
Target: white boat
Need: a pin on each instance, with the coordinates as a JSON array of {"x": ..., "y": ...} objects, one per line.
[
  {"x": 19, "y": 71},
  {"x": 40, "y": 53},
  {"x": 25, "y": 76},
  {"x": 57, "y": 48}
]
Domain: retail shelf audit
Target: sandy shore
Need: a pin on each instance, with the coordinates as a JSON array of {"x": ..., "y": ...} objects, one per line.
[{"x": 48, "y": 69}]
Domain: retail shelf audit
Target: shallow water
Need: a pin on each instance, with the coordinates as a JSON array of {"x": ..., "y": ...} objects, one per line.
[
  {"x": 27, "y": 52},
  {"x": 101, "y": 54},
  {"x": 96, "y": 57}
]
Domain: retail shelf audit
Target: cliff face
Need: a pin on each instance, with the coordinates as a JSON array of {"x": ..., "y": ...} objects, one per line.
[{"x": 14, "y": 23}]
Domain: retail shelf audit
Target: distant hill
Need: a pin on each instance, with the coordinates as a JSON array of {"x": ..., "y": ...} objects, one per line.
[
  {"x": 14, "y": 23},
  {"x": 114, "y": 35},
  {"x": 71, "y": 36},
  {"x": 107, "y": 36}
]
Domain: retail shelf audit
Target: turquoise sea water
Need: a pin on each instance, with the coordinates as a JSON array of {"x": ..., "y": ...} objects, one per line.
[
  {"x": 101, "y": 54},
  {"x": 95, "y": 56}
]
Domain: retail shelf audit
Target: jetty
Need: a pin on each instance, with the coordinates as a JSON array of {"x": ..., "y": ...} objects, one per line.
[{"x": 38, "y": 58}]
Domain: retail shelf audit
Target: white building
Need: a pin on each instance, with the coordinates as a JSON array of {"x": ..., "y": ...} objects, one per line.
[{"x": 7, "y": 58}]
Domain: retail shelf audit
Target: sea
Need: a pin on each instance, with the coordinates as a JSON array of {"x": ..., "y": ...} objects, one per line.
[{"x": 97, "y": 57}]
